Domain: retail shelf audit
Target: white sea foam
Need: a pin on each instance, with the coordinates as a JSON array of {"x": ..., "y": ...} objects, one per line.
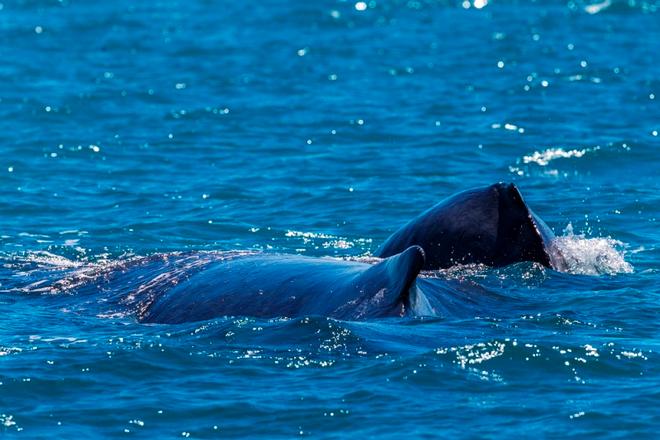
[
  {"x": 48, "y": 260},
  {"x": 595, "y": 8},
  {"x": 325, "y": 240},
  {"x": 302, "y": 234},
  {"x": 544, "y": 157},
  {"x": 592, "y": 256}
]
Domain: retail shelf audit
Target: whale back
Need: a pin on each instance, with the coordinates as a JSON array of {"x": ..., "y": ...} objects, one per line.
[
  {"x": 489, "y": 225},
  {"x": 269, "y": 286}
]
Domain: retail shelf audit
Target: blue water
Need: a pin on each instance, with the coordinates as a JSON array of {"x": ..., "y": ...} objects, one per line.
[{"x": 130, "y": 129}]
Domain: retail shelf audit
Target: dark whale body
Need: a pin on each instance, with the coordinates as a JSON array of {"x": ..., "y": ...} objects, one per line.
[
  {"x": 488, "y": 225},
  {"x": 263, "y": 285}
]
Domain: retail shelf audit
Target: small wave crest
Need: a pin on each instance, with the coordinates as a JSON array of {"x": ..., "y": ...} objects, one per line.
[
  {"x": 38, "y": 260},
  {"x": 592, "y": 256},
  {"x": 542, "y": 159},
  {"x": 325, "y": 241},
  {"x": 595, "y": 8}
]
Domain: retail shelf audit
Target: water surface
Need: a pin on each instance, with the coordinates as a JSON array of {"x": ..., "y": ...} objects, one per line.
[{"x": 131, "y": 129}]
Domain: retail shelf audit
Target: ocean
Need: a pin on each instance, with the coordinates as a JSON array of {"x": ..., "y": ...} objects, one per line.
[{"x": 139, "y": 128}]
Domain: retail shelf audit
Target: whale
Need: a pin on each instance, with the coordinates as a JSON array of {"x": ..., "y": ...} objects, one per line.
[
  {"x": 489, "y": 225},
  {"x": 273, "y": 285}
]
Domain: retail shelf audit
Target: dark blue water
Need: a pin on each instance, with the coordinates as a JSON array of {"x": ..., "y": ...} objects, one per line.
[{"x": 130, "y": 129}]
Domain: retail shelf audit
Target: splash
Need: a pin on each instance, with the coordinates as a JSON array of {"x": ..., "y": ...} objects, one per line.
[
  {"x": 592, "y": 256},
  {"x": 463, "y": 271}
]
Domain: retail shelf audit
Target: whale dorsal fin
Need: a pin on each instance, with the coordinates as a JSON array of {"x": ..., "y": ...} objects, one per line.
[
  {"x": 402, "y": 269},
  {"x": 386, "y": 285}
]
